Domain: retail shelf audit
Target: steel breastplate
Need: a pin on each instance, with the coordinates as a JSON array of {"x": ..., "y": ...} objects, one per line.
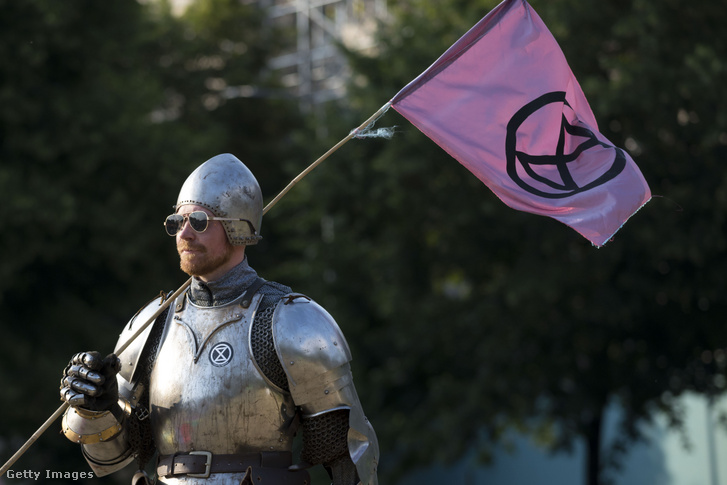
[{"x": 206, "y": 392}]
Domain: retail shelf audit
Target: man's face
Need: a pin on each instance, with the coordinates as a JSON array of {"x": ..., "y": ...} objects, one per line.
[{"x": 203, "y": 254}]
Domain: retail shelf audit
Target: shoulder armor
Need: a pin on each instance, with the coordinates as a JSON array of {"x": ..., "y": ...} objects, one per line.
[
  {"x": 130, "y": 356},
  {"x": 316, "y": 359},
  {"x": 313, "y": 352}
]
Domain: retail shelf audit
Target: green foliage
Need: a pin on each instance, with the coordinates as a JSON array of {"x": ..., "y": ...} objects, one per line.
[
  {"x": 468, "y": 318},
  {"x": 105, "y": 108}
]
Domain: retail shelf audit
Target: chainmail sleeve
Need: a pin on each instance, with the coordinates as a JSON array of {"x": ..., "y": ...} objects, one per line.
[
  {"x": 263, "y": 348},
  {"x": 261, "y": 335},
  {"x": 325, "y": 441}
]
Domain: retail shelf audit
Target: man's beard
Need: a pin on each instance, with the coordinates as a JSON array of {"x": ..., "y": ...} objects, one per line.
[{"x": 201, "y": 263}]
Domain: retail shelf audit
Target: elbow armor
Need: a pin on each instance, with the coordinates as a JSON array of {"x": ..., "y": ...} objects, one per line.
[{"x": 316, "y": 359}]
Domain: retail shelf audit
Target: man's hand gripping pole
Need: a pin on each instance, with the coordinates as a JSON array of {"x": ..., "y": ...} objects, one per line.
[{"x": 59, "y": 412}]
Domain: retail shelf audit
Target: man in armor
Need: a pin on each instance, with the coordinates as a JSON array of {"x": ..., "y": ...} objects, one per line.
[{"x": 221, "y": 382}]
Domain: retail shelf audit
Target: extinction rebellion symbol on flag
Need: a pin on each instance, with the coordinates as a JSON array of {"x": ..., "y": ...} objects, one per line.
[
  {"x": 496, "y": 102},
  {"x": 549, "y": 174}
]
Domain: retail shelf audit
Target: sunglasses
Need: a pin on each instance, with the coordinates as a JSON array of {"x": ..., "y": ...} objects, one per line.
[{"x": 198, "y": 220}]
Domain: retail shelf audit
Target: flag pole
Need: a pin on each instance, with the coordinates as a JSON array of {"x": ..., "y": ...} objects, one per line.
[
  {"x": 62, "y": 408},
  {"x": 338, "y": 145}
]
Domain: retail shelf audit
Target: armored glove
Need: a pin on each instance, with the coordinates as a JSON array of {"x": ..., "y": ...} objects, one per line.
[{"x": 89, "y": 381}]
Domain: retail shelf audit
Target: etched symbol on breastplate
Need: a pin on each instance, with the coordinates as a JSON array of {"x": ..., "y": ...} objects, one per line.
[{"x": 221, "y": 354}]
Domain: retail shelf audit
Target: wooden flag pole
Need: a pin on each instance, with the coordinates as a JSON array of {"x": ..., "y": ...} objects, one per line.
[{"x": 313, "y": 165}]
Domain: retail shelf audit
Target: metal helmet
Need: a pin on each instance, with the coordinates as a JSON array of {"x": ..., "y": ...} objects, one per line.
[{"x": 227, "y": 188}]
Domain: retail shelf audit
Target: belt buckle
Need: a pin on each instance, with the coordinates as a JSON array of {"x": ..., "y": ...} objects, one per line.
[{"x": 207, "y": 465}]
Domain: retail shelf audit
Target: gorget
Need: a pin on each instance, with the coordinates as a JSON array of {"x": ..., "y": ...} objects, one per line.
[{"x": 224, "y": 290}]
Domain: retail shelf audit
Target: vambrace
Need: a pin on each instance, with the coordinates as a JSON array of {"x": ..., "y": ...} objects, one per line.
[
  {"x": 102, "y": 436},
  {"x": 111, "y": 440}
]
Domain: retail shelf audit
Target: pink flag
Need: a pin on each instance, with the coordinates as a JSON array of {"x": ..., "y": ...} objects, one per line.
[{"x": 504, "y": 102}]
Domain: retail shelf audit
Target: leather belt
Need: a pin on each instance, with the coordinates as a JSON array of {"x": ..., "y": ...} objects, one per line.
[{"x": 201, "y": 464}]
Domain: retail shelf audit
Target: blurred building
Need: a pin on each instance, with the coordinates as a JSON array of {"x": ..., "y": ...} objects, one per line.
[{"x": 314, "y": 68}]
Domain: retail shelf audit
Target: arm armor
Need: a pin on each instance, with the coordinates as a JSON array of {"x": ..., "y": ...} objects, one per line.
[
  {"x": 104, "y": 437},
  {"x": 316, "y": 359}
]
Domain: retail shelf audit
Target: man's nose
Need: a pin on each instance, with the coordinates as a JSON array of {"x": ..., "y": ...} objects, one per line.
[{"x": 186, "y": 232}]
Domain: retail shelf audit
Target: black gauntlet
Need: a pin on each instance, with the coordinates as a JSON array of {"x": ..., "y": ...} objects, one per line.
[{"x": 89, "y": 381}]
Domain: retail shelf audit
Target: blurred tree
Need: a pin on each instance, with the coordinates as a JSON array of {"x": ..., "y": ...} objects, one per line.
[
  {"x": 473, "y": 318},
  {"x": 104, "y": 110},
  {"x": 74, "y": 114}
]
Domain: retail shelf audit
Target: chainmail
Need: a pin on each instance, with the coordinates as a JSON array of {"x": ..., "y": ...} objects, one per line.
[
  {"x": 271, "y": 293},
  {"x": 261, "y": 335},
  {"x": 263, "y": 348},
  {"x": 325, "y": 437},
  {"x": 224, "y": 290}
]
